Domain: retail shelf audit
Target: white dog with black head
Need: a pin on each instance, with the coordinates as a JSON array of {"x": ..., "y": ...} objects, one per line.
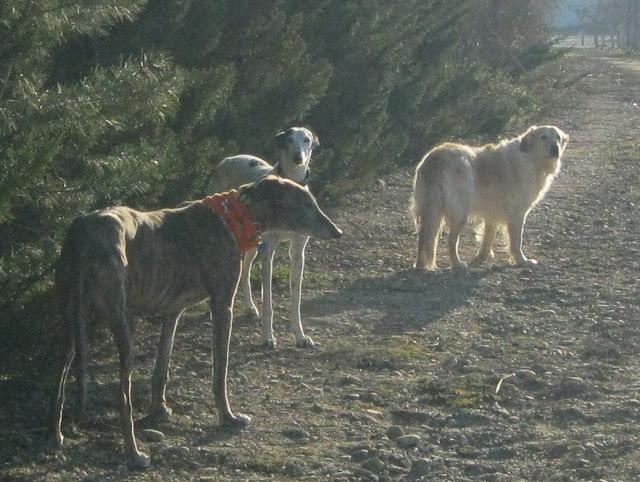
[{"x": 294, "y": 148}]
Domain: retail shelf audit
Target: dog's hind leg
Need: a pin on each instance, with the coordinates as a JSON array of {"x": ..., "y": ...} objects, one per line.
[
  {"x": 221, "y": 305},
  {"x": 429, "y": 229},
  {"x": 296, "y": 252},
  {"x": 245, "y": 283},
  {"x": 270, "y": 243},
  {"x": 82, "y": 353},
  {"x": 455, "y": 229},
  {"x": 57, "y": 400},
  {"x": 158, "y": 409},
  {"x": 124, "y": 341}
]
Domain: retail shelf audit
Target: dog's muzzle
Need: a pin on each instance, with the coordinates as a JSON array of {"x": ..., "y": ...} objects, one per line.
[
  {"x": 555, "y": 151},
  {"x": 297, "y": 158}
]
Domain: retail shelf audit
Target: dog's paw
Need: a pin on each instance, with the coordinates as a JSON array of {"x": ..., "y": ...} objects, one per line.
[
  {"x": 424, "y": 267},
  {"x": 251, "y": 313},
  {"x": 139, "y": 461},
  {"x": 305, "y": 342},
  {"x": 527, "y": 263},
  {"x": 237, "y": 421},
  {"x": 56, "y": 441}
]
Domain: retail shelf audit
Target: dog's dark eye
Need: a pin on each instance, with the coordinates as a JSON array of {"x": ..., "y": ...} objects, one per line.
[
  {"x": 306, "y": 140},
  {"x": 544, "y": 136}
]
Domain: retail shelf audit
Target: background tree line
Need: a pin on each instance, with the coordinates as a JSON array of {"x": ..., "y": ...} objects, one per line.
[
  {"x": 612, "y": 22},
  {"x": 133, "y": 101}
]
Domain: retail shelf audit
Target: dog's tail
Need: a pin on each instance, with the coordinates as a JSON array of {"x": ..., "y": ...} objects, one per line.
[
  {"x": 427, "y": 199},
  {"x": 71, "y": 282}
]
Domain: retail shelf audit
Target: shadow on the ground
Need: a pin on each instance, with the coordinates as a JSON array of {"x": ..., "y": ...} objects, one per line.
[{"x": 403, "y": 301}]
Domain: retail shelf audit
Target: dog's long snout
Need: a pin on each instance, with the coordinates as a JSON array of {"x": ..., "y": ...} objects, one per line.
[
  {"x": 327, "y": 228},
  {"x": 297, "y": 157}
]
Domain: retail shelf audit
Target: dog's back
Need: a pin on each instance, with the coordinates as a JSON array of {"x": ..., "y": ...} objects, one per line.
[
  {"x": 443, "y": 181},
  {"x": 237, "y": 170}
]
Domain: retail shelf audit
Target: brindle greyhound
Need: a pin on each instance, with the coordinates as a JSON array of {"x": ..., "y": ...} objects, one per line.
[{"x": 117, "y": 262}]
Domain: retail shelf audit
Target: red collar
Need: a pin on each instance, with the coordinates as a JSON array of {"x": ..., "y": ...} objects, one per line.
[{"x": 236, "y": 217}]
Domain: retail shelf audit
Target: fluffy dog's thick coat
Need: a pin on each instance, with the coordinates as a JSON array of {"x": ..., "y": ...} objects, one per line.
[
  {"x": 496, "y": 183},
  {"x": 119, "y": 262}
]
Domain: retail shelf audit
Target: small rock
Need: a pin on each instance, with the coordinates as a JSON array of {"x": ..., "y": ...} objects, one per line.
[
  {"x": 501, "y": 453},
  {"x": 394, "y": 432},
  {"x": 372, "y": 397},
  {"x": 572, "y": 386},
  {"x": 513, "y": 419},
  {"x": 395, "y": 470},
  {"x": 152, "y": 435},
  {"x": 364, "y": 474},
  {"x": 181, "y": 451},
  {"x": 295, "y": 433},
  {"x": 484, "y": 350},
  {"x": 468, "y": 418},
  {"x": 349, "y": 380},
  {"x": 420, "y": 468},
  {"x": 407, "y": 441},
  {"x": 501, "y": 410},
  {"x": 473, "y": 469},
  {"x": 558, "y": 450},
  {"x": 374, "y": 464},
  {"x": 293, "y": 469},
  {"x": 359, "y": 455},
  {"x": 399, "y": 460}
]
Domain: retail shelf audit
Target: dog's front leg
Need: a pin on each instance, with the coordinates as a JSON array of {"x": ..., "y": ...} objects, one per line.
[
  {"x": 245, "y": 283},
  {"x": 486, "y": 250},
  {"x": 221, "y": 318},
  {"x": 158, "y": 409},
  {"x": 515, "y": 228},
  {"x": 267, "y": 251},
  {"x": 296, "y": 253}
]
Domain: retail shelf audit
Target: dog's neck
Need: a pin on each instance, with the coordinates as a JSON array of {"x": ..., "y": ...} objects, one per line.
[
  {"x": 299, "y": 173},
  {"x": 237, "y": 217}
]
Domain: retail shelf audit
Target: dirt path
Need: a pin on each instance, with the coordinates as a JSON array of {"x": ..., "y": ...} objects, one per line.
[{"x": 423, "y": 352}]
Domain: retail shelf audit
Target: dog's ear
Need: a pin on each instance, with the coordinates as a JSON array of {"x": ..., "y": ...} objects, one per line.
[
  {"x": 316, "y": 142},
  {"x": 526, "y": 141},
  {"x": 564, "y": 137},
  {"x": 282, "y": 138}
]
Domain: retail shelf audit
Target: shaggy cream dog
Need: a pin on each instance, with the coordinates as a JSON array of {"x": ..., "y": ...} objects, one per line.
[{"x": 496, "y": 183}]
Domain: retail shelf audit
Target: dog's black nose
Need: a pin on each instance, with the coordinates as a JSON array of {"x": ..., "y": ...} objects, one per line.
[
  {"x": 297, "y": 158},
  {"x": 555, "y": 151}
]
